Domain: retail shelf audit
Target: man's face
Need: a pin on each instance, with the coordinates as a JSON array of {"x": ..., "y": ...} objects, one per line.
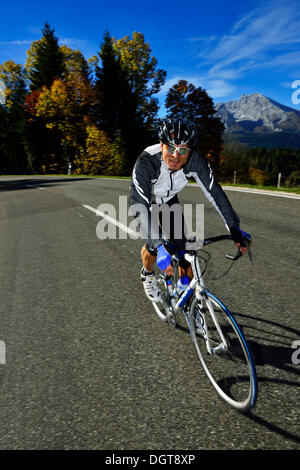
[{"x": 175, "y": 156}]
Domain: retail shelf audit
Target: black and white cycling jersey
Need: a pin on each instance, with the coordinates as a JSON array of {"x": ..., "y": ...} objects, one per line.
[{"x": 153, "y": 182}]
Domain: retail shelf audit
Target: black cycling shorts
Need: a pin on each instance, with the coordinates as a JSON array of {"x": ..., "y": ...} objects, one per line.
[{"x": 175, "y": 228}]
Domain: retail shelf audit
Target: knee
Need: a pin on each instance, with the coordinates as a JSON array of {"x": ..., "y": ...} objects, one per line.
[
  {"x": 149, "y": 253},
  {"x": 147, "y": 257}
]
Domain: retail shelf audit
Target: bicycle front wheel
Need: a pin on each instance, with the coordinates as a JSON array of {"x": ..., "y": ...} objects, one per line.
[
  {"x": 162, "y": 307},
  {"x": 223, "y": 351}
]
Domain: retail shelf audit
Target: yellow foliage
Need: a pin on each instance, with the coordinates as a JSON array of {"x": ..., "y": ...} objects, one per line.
[
  {"x": 101, "y": 156},
  {"x": 65, "y": 106},
  {"x": 134, "y": 53},
  {"x": 13, "y": 78},
  {"x": 259, "y": 177},
  {"x": 97, "y": 158}
]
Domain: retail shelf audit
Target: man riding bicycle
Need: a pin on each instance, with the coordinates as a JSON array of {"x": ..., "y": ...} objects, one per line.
[{"x": 160, "y": 172}]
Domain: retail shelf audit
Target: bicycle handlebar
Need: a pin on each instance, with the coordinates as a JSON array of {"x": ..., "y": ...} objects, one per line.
[{"x": 208, "y": 241}]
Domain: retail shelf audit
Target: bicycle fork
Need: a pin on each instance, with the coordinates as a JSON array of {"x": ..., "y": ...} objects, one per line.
[
  {"x": 201, "y": 324},
  {"x": 223, "y": 346}
]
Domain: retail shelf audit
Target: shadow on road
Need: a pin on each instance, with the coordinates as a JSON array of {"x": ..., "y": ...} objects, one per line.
[
  {"x": 29, "y": 183},
  {"x": 278, "y": 378}
]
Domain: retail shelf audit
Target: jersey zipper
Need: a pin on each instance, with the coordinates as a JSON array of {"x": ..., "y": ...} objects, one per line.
[{"x": 171, "y": 173}]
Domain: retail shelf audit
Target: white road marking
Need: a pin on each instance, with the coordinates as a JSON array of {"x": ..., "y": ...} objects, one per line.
[
  {"x": 110, "y": 219},
  {"x": 264, "y": 193}
]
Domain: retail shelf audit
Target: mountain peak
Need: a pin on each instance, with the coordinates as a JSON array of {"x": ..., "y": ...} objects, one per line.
[{"x": 259, "y": 114}]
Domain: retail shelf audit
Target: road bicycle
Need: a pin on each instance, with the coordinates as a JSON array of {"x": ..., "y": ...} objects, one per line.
[{"x": 220, "y": 343}]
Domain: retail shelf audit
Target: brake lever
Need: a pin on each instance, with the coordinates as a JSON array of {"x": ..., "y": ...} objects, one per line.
[
  {"x": 249, "y": 252},
  {"x": 239, "y": 254},
  {"x": 234, "y": 258}
]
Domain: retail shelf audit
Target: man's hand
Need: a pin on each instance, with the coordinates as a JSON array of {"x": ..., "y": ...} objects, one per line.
[
  {"x": 243, "y": 249},
  {"x": 169, "y": 270},
  {"x": 241, "y": 238}
]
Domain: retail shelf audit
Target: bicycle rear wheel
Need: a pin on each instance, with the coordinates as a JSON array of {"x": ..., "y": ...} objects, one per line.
[{"x": 229, "y": 365}]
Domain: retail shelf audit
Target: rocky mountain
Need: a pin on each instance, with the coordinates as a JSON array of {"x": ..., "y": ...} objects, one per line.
[{"x": 258, "y": 120}]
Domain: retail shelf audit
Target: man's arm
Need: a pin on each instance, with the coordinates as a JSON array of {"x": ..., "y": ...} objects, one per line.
[
  {"x": 141, "y": 197},
  {"x": 204, "y": 176}
]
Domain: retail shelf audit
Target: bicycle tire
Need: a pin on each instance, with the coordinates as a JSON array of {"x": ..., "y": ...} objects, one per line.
[
  {"x": 232, "y": 372},
  {"x": 160, "y": 307}
]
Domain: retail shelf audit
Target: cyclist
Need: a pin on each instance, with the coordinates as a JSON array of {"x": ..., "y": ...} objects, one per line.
[{"x": 160, "y": 172}]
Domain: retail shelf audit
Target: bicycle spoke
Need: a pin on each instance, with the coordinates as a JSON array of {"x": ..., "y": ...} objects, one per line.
[
  {"x": 229, "y": 368},
  {"x": 162, "y": 307}
]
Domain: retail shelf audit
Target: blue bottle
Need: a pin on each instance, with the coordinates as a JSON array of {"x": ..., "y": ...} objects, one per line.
[
  {"x": 185, "y": 296},
  {"x": 182, "y": 284}
]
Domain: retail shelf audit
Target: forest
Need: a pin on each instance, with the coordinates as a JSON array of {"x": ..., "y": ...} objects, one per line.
[{"x": 98, "y": 114}]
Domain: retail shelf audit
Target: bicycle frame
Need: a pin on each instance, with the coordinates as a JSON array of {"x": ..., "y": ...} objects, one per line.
[{"x": 197, "y": 286}]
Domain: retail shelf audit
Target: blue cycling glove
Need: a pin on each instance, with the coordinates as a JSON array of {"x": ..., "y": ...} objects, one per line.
[
  {"x": 239, "y": 236},
  {"x": 163, "y": 258}
]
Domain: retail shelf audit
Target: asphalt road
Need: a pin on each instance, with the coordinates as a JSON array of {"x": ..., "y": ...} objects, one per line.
[{"x": 88, "y": 364}]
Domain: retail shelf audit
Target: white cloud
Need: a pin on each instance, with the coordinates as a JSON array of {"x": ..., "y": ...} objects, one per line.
[
  {"x": 265, "y": 37},
  {"x": 216, "y": 88},
  {"x": 204, "y": 39},
  {"x": 17, "y": 42},
  {"x": 74, "y": 43},
  {"x": 195, "y": 80},
  {"x": 219, "y": 88}
]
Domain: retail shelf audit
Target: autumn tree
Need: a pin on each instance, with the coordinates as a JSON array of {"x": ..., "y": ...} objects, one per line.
[
  {"x": 187, "y": 101},
  {"x": 145, "y": 80},
  {"x": 60, "y": 102},
  {"x": 97, "y": 159},
  {"x": 74, "y": 63},
  {"x": 64, "y": 107},
  {"x": 144, "y": 77}
]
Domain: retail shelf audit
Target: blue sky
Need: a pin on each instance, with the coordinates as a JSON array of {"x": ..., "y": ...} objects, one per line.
[{"x": 229, "y": 48}]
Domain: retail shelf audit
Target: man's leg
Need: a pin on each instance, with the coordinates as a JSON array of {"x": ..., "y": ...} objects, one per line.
[
  {"x": 148, "y": 260},
  {"x": 147, "y": 275},
  {"x": 177, "y": 228},
  {"x": 186, "y": 271}
]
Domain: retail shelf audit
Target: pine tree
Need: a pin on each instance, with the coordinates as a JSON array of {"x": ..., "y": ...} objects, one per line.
[
  {"x": 12, "y": 119},
  {"x": 186, "y": 101},
  {"x": 45, "y": 60},
  {"x": 45, "y": 63},
  {"x": 112, "y": 89},
  {"x": 115, "y": 102}
]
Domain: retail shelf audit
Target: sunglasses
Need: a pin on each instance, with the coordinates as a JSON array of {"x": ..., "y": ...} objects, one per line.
[{"x": 172, "y": 149}]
